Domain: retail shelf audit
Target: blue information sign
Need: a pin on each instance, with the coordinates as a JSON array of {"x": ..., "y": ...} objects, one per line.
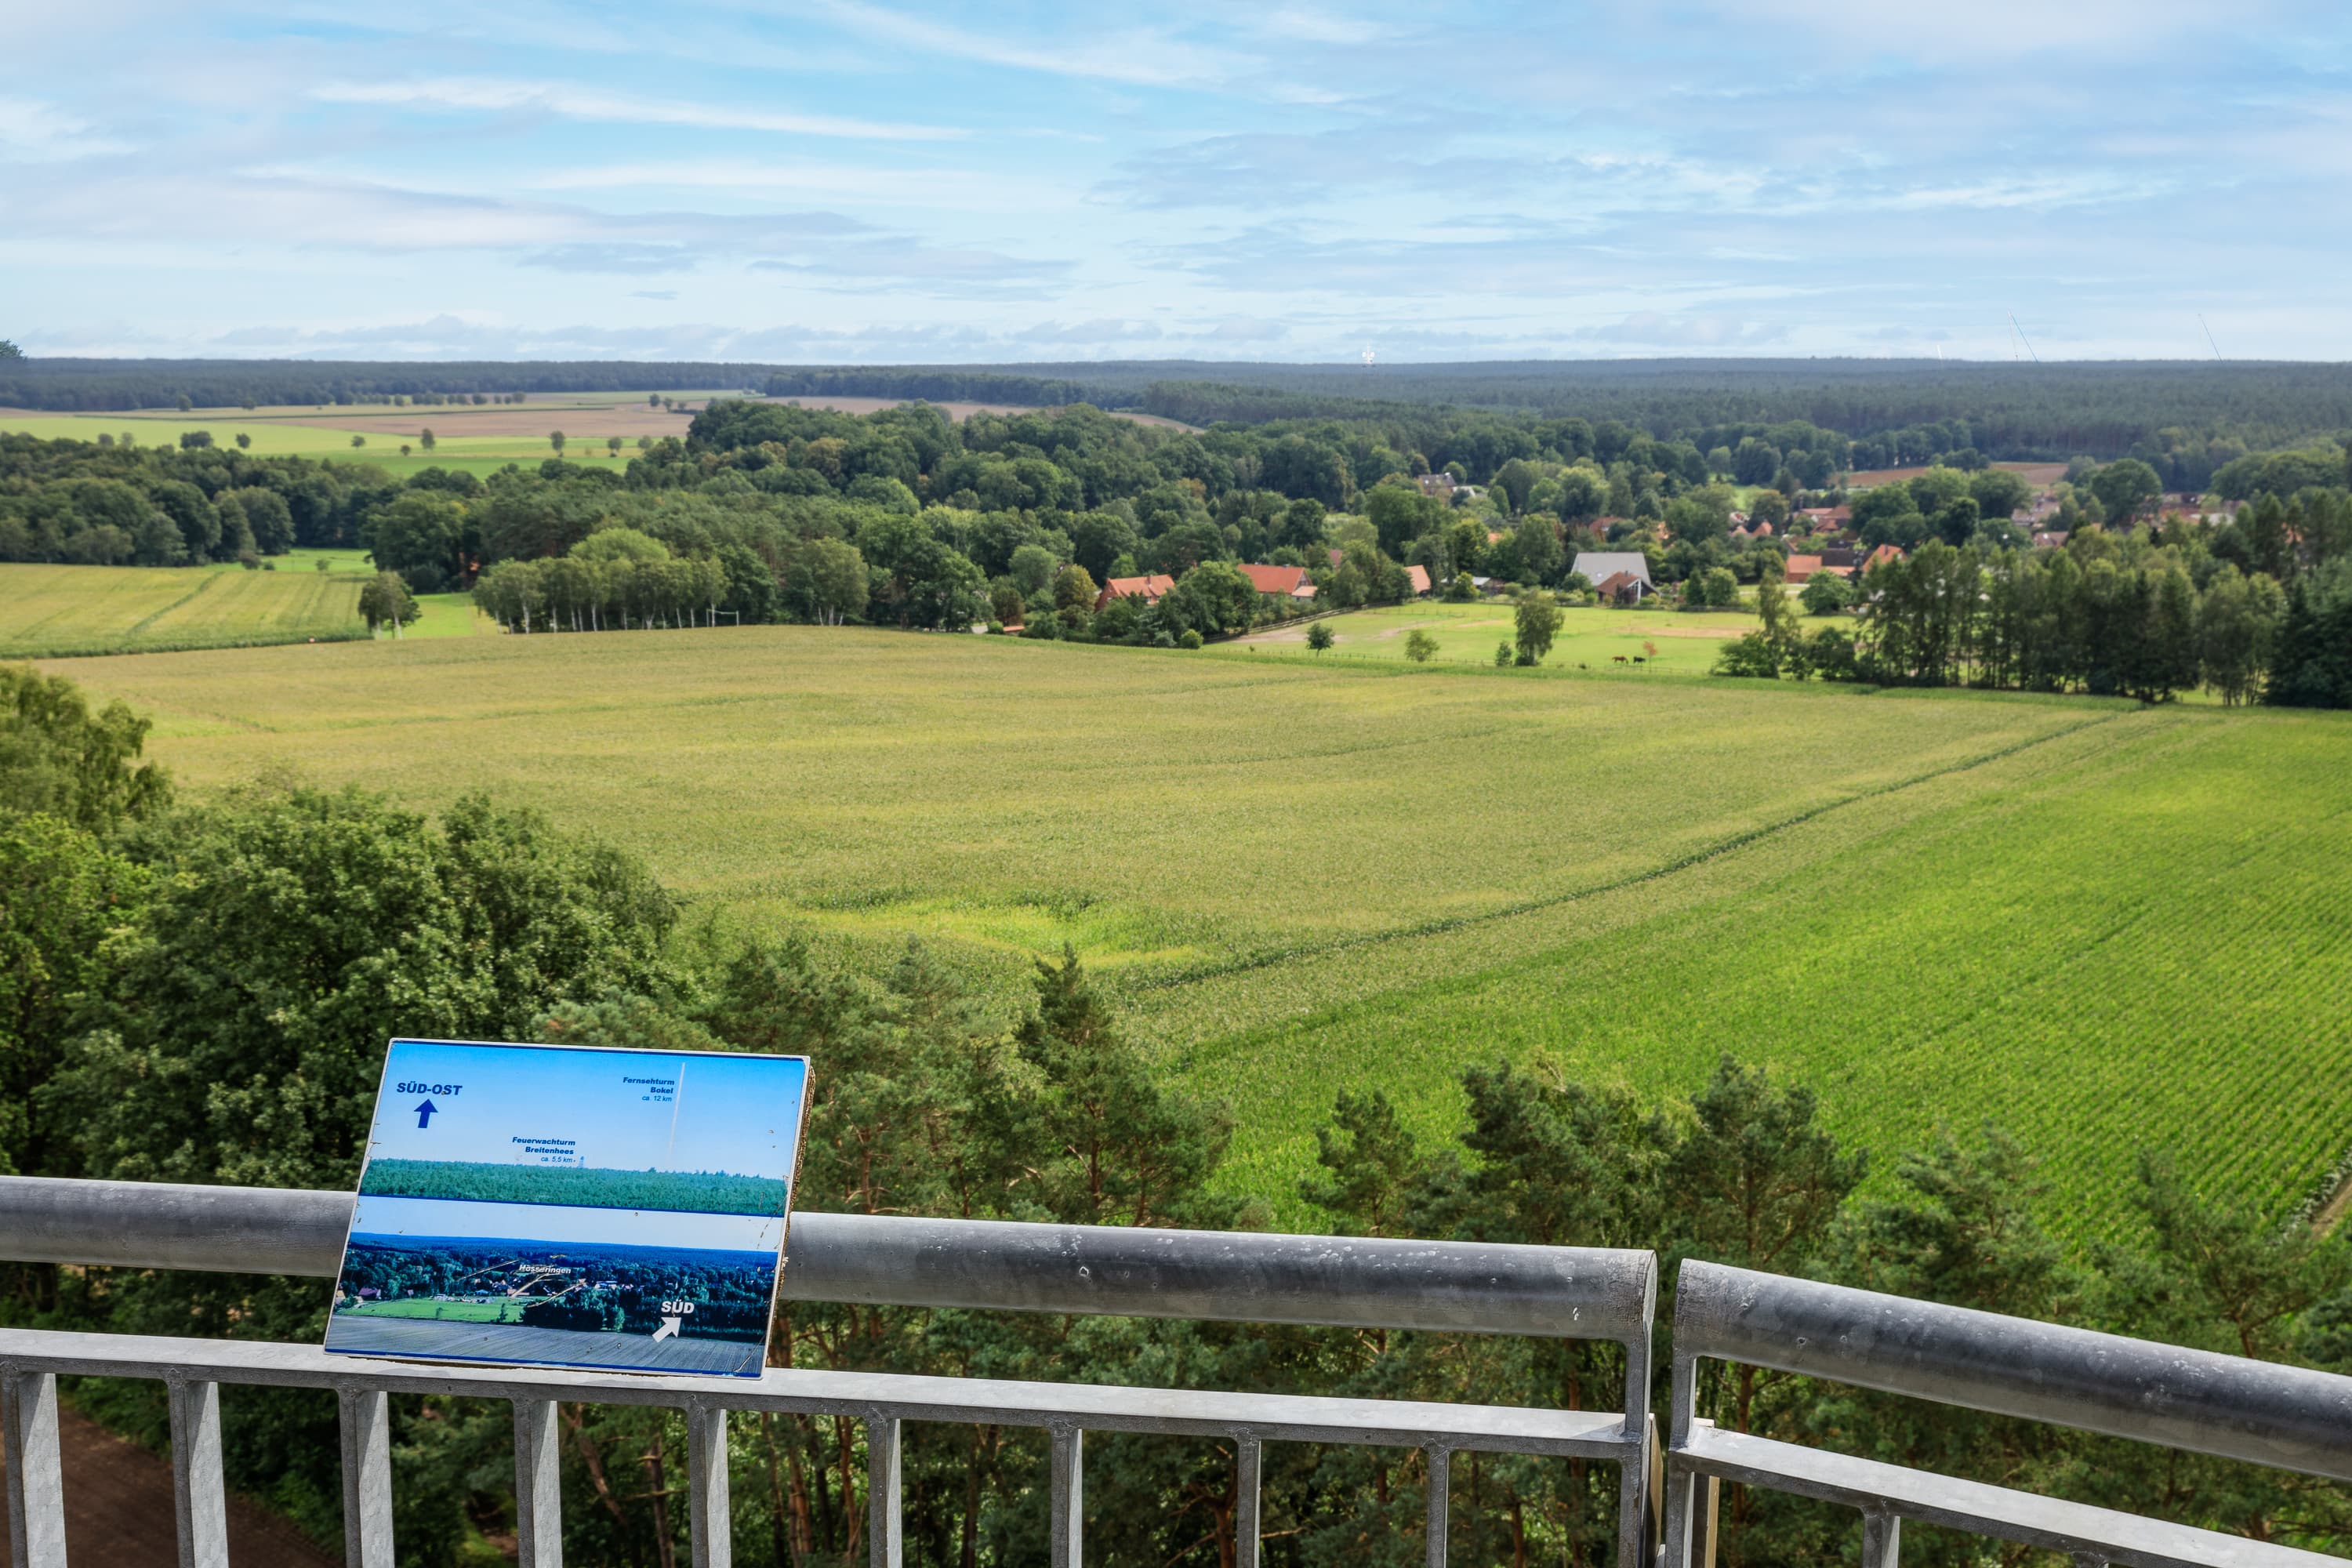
[{"x": 569, "y": 1206}]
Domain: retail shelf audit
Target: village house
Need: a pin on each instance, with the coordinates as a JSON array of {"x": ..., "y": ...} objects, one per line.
[
  {"x": 1419, "y": 577},
  {"x": 1149, "y": 589},
  {"x": 1600, "y": 567},
  {"x": 1619, "y": 588},
  {"x": 1282, "y": 581}
]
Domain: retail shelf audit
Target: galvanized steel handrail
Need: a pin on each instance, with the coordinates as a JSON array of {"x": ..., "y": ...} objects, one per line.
[
  {"x": 1591, "y": 1293},
  {"x": 2282, "y": 1416},
  {"x": 1561, "y": 1292}
]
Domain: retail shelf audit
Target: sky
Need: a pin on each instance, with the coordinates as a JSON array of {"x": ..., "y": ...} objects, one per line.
[
  {"x": 627, "y": 1111},
  {"x": 858, "y": 181}
]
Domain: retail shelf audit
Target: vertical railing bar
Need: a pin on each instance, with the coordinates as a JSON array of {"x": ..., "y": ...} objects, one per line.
[
  {"x": 711, "y": 1521},
  {"x": 1440, "y": 1502},
  {"x": 1680, "y": 1503},
  {"x": 1882, "y": 1538},
  {"x": 539, "y": 1485},
  {"x": 1638, "y": 1497},
  {"x": 1067, "y": 1535},
  {"x": 1249, "y": 1458},
  {"x": 199, "y": 1494},
  {"x": 884, "y": 1509},
  {"x": 37, "y": 1483},
  {"x": 367, "y": 1478}
]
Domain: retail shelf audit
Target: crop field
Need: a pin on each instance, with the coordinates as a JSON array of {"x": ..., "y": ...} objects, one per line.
[
  {"x": 1668, "y": 641},
  {"x": 676, "y": 1191},
  {"x": 58, "y": 610},
  {"x": 481, "y": 440},
  {"x": 2104, "y": 928},
  {"x": 64, "y": 611}
]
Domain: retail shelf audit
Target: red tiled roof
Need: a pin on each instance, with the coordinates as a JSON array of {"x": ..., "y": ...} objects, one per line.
[
  {"x": 1419, "y": 576},
  {"x": 1151, "y": 590},
  {"x": 1274, "y": 579}
]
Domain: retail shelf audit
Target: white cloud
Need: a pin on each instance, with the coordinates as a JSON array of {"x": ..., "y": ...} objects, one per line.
[
  {"x": 574, "y": 102},
  {"x": 32, "y": 132},
  {"x": 1141, "y": 58}
]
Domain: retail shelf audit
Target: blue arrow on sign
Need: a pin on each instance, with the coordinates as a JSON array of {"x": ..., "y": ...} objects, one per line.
[{"x": 425, "y": 1113}]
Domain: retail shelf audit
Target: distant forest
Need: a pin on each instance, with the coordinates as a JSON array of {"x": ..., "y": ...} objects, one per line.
[
  {"x": 2012, "y": 412},
  {"x": 476, "y": 1181}
]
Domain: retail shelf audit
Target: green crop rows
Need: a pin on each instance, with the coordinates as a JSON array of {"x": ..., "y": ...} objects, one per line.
[{"x": 2108, "y": 930}]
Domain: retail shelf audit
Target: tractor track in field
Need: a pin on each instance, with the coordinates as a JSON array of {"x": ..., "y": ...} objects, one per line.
[{"x": 1695, "y": 857}]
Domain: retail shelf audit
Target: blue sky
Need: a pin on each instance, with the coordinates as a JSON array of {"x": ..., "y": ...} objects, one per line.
[
  {"x": 740, "y": 1114},
  {"x": 856, "y": 181}
]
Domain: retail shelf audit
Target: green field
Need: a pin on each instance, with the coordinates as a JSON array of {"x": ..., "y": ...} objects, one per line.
[
  {"x": 1666, "y": 641},
  {"x": 521, "y": 431},
  {"x": 53, "y": 612},
  {"x": 501, "y": 1312},
  {"x": 473, "y": 1181},
  {"x": 2108, "y": 928},
  {"x": 48, "y": 611}
]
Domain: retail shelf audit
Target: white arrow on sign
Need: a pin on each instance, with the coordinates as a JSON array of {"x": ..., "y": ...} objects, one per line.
[{"x": 668, "y": 1329}]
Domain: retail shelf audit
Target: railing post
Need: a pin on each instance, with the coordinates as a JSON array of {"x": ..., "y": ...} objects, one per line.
[
  {"x": 37, "y": 1483},
  {"x": 1679, "y": 1505},
  {"x": 1249, "y": 1458},
  {"x": 199, "y": 1498},
  {"x": 1441, "y": 1504},
  {"x": 1068, "y": 1535},
  {"x": 1638, "y": 1498},
  {"x": 712, "y": 1520},
  {"x": 539, "y": 1485},
  {"x": 367, "y": 1478},
  {"x": 884, "y": 1518},
  {"x": 1882, "y": 1539}
]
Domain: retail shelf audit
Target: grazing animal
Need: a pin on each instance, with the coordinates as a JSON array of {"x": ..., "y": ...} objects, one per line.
[
  {"x": 1617, "y": 658},
  {"x": 1637, "y": 659}
]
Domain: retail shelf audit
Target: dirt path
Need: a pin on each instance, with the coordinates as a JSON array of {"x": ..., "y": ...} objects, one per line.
[
  {"x": 2332, "y": 1212},
  {"x": 118, "y": 1509}
]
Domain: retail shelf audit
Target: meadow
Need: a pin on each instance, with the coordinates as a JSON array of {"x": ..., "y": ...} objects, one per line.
[
  {"x": 1666, "y": 641},
  {"x": 2107, "y": 929}
]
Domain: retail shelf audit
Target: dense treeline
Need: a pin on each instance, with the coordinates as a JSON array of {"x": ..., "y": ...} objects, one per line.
[
  {"x": 121, "y": 504},
  {"x": 2053, "y": 411},
  {"x": 198, "y": 992},
  {"x": 477, "y": 1181},
  {"x": 2258, "y": 607},
  {"x": 95, "y": 385}
]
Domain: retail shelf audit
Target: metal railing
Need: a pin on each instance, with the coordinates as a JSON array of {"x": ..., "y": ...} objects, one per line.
[
  {"x": 2282, "y": 1416},
  {"x": 2226, "y": 1406},
  {"x": 1561, "y": 1292}
]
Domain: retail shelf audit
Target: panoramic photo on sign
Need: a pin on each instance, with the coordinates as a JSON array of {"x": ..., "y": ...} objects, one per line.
[{"x": 565, "y": 1206}]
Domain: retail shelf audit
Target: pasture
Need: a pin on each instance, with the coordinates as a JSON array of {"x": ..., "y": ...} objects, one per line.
[
  {"x": 2108, "y": 930},
  {"x": 1666, "y": 641}
]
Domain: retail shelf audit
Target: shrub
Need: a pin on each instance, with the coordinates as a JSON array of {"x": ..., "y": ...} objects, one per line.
[
  {"x": 1190, "y": 639},
  {"x": 1420, "y": 646},
  {"x": 1752, "y": 656}
]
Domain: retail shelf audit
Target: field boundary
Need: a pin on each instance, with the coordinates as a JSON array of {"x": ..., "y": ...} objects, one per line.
[{"x": 1699, "y": 857}]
